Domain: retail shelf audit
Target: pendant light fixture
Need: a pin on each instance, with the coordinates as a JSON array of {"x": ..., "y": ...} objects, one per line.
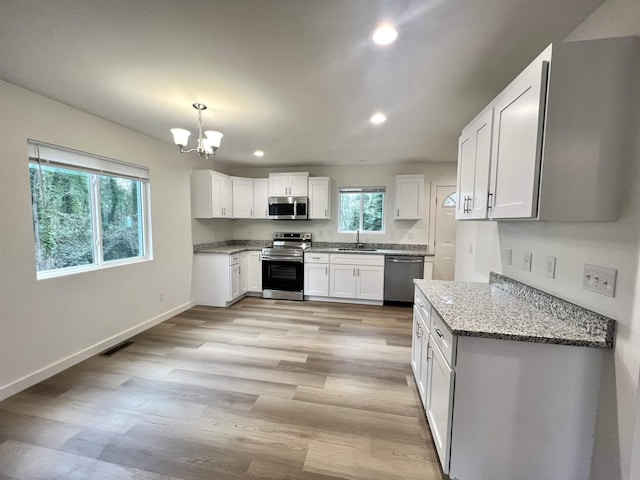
[{"x": 207, "y": 144}]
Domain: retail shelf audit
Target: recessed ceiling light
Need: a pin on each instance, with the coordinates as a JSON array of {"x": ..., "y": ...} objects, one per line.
[
  {"x": 259, "y": 153},
  {"x": 384, "y": 34},
  {"x": 378, "y": 118}
]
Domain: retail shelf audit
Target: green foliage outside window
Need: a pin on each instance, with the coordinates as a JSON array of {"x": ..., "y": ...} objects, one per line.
[
  {"x": 361, "y": 211},
  {"x": 64, "y": 223}
]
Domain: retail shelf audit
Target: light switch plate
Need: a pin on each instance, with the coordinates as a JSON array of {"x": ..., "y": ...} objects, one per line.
[
  {"x": 526, "y": 261},
  {"x": 508, "y": 255},
  {"x": 550, "y": 267},
  {"x": 601, "y": 280}
]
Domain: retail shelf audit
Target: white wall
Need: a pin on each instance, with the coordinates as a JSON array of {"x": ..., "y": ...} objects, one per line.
[
  {"x": 396, "y": 231},
  {"x": 46, "y": 325},
  {"x": 612, "y": 244}
]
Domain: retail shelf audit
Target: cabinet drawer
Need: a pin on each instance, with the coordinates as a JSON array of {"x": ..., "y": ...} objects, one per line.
[
  {"x": 234, "y": 259},
  {"x": 423, "y": 307},
  {"x": 316, "y": 258},
  {"x": 443, "y": 337},
  {"x": 357, "y": 259}
]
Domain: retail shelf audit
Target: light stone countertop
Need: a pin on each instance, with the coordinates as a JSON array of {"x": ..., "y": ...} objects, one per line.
[
  {"x": 228, "y": 249},
  {"x": 488, "y": 310},
  {"x": 381, "y": 251}
]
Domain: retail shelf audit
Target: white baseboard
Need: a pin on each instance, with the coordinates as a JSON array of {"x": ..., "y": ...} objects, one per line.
[{"x": 56, "y": 367}]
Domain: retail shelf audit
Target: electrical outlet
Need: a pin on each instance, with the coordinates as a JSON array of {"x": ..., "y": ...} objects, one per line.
[
  {"x": 526, "y": 261},
  {"x": 601, "y": 280},
  {"x": 162, "y": 296},
  {"x": 470, "y": 249},
  {"x": 550, "y": 267},
  {"x": 508, "y": 255}
]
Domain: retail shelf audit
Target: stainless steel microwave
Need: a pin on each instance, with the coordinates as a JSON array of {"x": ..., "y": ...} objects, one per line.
[{"x": 288, "y": 208}]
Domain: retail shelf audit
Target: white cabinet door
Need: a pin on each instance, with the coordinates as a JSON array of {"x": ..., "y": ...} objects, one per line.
[
  {"x": 242, "y": 197},
  {"x": 260, "y": 198},
  {"x": 234, "y": 281},
  {"x": 254, "y": 271},
  {"x": 288, "y": 184},
  {"x": 316, "y": 279},
  {"x": 474, "y": 159},
  {"x": 416, "y": 351},
  {"x": 440, "y": 403},
  {"x": 244, "y": 272},
  {"x": 409, "y": 193},
  {"x": 342, "y": 282},
  {"x": 517, "y": 144},
  {"x": 226, "y": 196},
  {"x": 278, "y": 185},
  {"x": 201, "y": 201},
  {"x": 319, "y": 206},
  {"x": 298, "y": 184},
  {"x": 370, "y": 281},
  {"x": 425, "y": 357}
]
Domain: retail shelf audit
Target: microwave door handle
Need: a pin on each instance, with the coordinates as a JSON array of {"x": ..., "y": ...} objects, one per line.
[{"x": 295, "y": 209}]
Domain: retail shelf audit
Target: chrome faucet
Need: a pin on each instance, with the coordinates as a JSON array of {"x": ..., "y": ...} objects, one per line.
[{"x": 358, "y": 244}]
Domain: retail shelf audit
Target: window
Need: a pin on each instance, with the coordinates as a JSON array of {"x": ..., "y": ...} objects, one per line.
[
  {"x": 451, "y": 200},
  {"x": 88, "y": 212},
  {"x": 361, "y": 208}
]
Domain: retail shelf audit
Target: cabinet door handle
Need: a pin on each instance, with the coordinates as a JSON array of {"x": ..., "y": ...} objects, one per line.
[
  {"x": 326, "y": 270},
  {"x": 489, "y": 200},
  {"x": 358, "y": 271},
  {"x": 397, "y": 212},
  {"x": 354, "y": 272},
  {"x": 325, "y": 213},
  {"x": 439, "y": 332},
  {"x": 251, "y": 212},
  {"x": 418, "y": 333},
  {"x": 429, "y": 357}
]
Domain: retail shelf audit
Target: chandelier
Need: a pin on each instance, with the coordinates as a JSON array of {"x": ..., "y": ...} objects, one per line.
[{"x": 207, "y": 144}]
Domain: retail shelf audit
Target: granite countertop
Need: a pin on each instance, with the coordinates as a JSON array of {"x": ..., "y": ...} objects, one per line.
[
  {"x": 227, "y": 249},
  {"x": 377, "y": 251},
  {"x": 506, "y": 309}
]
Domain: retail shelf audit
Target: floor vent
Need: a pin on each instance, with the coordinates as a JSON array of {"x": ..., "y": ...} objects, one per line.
[{"x": 117, "y": 348}]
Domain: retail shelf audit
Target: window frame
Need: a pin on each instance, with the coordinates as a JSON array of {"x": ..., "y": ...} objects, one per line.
[
  {"x": 362, "y": 191},
  {"x": 55, "y": 156}
]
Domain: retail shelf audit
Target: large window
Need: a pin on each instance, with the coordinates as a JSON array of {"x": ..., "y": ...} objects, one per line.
[
  {"x": 88, "y": 211},
  {"x": 361, "y": 208}
]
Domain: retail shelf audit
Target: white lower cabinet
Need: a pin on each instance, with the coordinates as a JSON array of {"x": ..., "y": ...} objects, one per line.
[
  {"x": 316, "y": 274},
  {"x": 502, "y": 409},
  {"x": 253, "y": 271},
  {"x": 356, "y": 276},
  {"x": 221, "y": 279}
]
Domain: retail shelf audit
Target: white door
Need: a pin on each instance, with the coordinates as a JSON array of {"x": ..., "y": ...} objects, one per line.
[
  {"x": 342, "y": 281},
  {"x": 445, "y": 233},
  {"x": 316, "y": 279},
  {"x": 517, "y": 144},
  {"x": 370, "y": 282}
]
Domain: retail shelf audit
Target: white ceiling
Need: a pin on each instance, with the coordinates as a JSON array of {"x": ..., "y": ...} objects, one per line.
[{"x": 296, "y": 78}]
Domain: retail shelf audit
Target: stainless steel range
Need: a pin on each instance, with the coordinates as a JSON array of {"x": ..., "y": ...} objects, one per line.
[{"x": 283, "y": 266}]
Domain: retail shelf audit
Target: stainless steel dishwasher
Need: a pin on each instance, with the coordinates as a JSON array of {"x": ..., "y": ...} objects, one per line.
[{"x": 399, "y": 272}]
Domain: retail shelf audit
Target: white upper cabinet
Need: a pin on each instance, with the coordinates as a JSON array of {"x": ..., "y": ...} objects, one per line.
[
  {"x": 260, "y": 198},
  {"x": 558, "y": 140},
  {"x": 517, "y": 142},
  {"x": 474, "y": 158},
  {"x": 211, "y": 195},
  {"x": 288, "y": 184},
  {"x": 319, "y": 194},
  {"x": 409, "y": 193},
  {"x": 242, "y": 197}
]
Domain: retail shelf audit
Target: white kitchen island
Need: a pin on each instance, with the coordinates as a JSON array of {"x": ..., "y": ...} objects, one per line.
[{"x": 509, "y": 378}]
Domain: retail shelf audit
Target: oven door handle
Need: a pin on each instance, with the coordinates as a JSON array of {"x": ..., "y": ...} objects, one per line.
[{"x": 266, "y": 258}]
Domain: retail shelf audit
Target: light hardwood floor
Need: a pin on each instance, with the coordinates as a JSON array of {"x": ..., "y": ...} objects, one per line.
[{"x": 263, "y": 389}]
